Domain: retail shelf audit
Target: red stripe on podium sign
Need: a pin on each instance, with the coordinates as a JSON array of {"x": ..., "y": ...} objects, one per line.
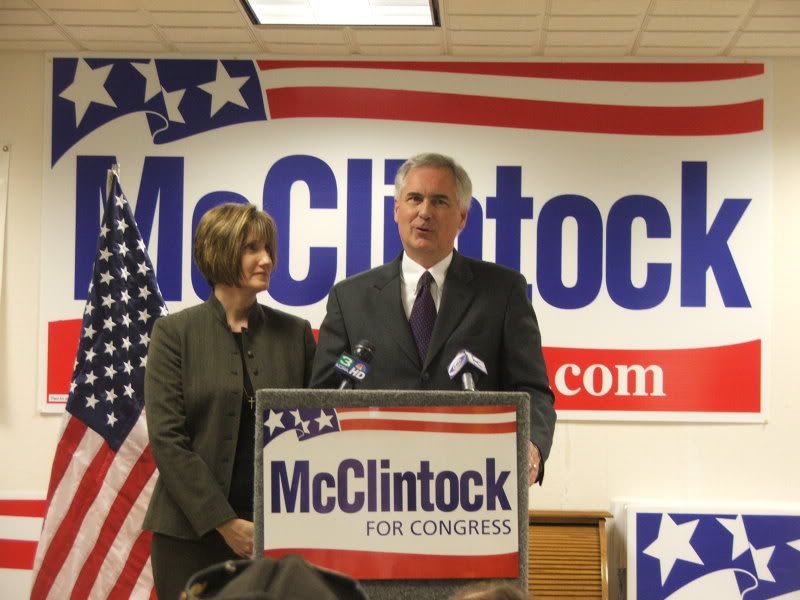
[
  {"x": 397, "y": 565},
  {"x": 721, "y": 379}
]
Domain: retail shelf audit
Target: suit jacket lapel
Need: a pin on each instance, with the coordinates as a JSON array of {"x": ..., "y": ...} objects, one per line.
[
  {"x": 391, "y": 314},
  {"x": 457, "y": 296}
]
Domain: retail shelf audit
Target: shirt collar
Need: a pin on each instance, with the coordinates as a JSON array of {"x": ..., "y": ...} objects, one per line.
[{"x": 412, "y": 271}]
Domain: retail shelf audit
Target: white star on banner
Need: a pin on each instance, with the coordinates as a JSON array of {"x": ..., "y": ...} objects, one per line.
[
  {"x": 127, "y": 367},
  {"x": 297, "y": 418},
  {"x": 87, "y": 87},
  {"x": 89, "y": 308},
  {"x": 128, "y": 390},
  {"x": 124, "y": 296},
  {"x": 144, "y": 292},
  {"x": 119, "y": 200},
  {"x": 126, "y": 320},
  {"x": 123, "y": 249},
  {"x": 104, "y": 230},
  {"x": 91, "y": 401},
  {"x": 274, "y": 421},
  {"x": 111, "y": 396},
  {"x": 123, "y": 272},
  {"x": 794, "y": 544},
  {"x": 324, "y": 420},
  {"x": 108, "y": 324},
  {"x": 152, "y": 82},
  {"x": 109, "y": 348},
  {"x": 304, "y": 425},
  {"x": 112, "y": 419},
  {"x": 108, "y": 300},
  {"x": 144, "y": 339},
  {"x": 172, "y": 100},
  {"x": 673, "y": 543},
  {"x": 143, "y": 316},
  {"x": 104, "y": 254},
  {"x": 126, "y": 342},
  {"x": 106, "y": 277},
  {"x": 740, "y": 542},
  {"x": 122, "y": 225},
  {"x": 89, "y": 332},
  {"x": 90, "y": 377},
  {"x": 143, "y": 268},
  {"x": 224, "y": 89},
  {"x": 110, "y": 371},
  {"x": 90, "y": 354},
  {"x": 761, "y": 558}
]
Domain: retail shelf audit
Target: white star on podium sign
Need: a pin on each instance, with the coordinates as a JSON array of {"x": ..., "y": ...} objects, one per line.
[{"x": 673, "y": 543}]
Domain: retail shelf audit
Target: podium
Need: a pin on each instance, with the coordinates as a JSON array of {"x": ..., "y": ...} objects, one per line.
[{"x": 414, "y": 493}]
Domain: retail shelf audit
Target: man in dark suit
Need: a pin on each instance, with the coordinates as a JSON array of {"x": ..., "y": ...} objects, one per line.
[{"x": 431, "y": 302}]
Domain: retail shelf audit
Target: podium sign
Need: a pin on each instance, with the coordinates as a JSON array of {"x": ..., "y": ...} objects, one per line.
[{"x": 394, "y": 485}]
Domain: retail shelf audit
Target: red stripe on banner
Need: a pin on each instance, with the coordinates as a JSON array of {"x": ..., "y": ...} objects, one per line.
[
  {"x": 67, "y": 532},
  {"x": 644, "y": 72},
  {"x": 722, "y": 379},
  {"x": 62, "y": 348},
  {"x": 435, "y": 107},
  {"x": 456, "y": 410},
  {"x": 137, "y": 559},
  {"x": 17, "y": 554},
  {"x": 395, "y": 425},
  {"x": 69, "y": 442},
  {"x": 395, "y": 565},
  {"x": 22, "y": 508},
  {"x": 126, "y": 497}
]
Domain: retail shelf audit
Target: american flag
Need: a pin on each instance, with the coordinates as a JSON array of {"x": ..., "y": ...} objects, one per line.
[
  {"x": 308, "y": 423},
  {"x": 724, "y": 556},
  {"x": 92, "y": 544}
]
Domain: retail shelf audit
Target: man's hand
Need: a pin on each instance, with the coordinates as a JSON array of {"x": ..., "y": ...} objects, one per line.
[
  {"x": 534, "y": 463},
  {"x": 238, "y": 534}
]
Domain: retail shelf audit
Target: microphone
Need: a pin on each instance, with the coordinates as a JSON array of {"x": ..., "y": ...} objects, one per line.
[
  {"x": 469, "y": 366},
  {"x": 354, "y": 368}
]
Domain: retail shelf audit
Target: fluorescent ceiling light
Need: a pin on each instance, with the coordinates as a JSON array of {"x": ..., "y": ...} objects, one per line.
[{"x": 342, "y": 12}]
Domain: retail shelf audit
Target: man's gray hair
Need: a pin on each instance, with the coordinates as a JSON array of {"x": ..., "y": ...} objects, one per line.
[{"x": 437, "y": 161}]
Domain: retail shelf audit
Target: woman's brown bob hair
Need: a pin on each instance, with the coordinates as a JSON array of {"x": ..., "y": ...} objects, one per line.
[{"x": 221, "y": 236}]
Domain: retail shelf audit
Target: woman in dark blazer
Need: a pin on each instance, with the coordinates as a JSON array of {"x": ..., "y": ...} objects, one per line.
[{"x": 204, "y": 365}]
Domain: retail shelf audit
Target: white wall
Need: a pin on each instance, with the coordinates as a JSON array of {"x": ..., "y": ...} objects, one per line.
[{"x": 592, "y": 464}]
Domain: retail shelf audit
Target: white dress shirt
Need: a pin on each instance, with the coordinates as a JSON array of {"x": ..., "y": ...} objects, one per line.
[{"x": 410, "y": 273}]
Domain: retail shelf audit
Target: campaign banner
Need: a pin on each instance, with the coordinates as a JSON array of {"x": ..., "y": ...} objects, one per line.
[
  {"x": 685, "y": 553},
  {"x": 634, "y": 197},
  {"x": 394, "y": 492}
]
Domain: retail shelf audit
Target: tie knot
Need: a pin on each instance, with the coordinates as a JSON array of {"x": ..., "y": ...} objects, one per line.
[{"x": 425, "y": 280}]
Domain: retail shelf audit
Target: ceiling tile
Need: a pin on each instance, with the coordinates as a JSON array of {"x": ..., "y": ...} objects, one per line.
[
  {"x": 100, "y": 17},
  {"x": 598, "y": 7},
  {"x": 400, "y": 51},
  {"x": 606, "y": 23},
  {"x": 681, "y": 52},
  {"x": 679, "y": 39},
  {"x": 493, "y": 38},
  {"x": 216, "y": 48},
  {"x": 773, "y": 24},
  {"x": 428, "y": 36},
  {"x": 124, "y": 46},
  {"x": 23, "y": 17},
  {"x": 306, "y": 49},
  {"x": 780, "y": 8},
  {"x": 198, "y": 19},
  {"x": 590, "y": 38},
  {"x": 90, "y": 4},
  {"x": 17, "y": 4},
  {"x": 769, "y": 40},
  {"x": 192, "y": 5},
  {"x": 301, "y": 35},
  {"x": 704, "y": 7},
  {"x": 693, "y": 23},
  {"x": 30, "y": 32},
  {"x": 132, "y": 34},
  {"x": 506, "y": 7},
  {"x": 207, "y": 34},
  {"x": 45, "y": 45},
  {"x": 509, "y": 23},
  {"x": 757, "y": 52},
  {"x": 492, "y": 51},
  {"x": 587, "y": 51}
]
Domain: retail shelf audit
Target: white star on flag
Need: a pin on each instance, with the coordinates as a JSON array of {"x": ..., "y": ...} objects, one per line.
[
  {"x": 122, "y": 225},
  {"x": 91, "y": 401},
  {"x": 111, "y": 395},
  {"x": 673, "y": 543},
  {"x": 297, "y": 418},
  {"x": 108, "y": 323},
  {"x": 119, "y": 200},
  {"x": 90, "y": 354},
  {"x": 128, "y": 390},
  {"x": 108, "y": 300},
  {"x": 172, "y": 101},
  {"x": 89, "y": 332},
  {"x": 104, "y": 254},
  {"x": 144, "y": 339},
  {"x": 224, "y": 89},
  {"x": 761, "y": 558},
  {"x": 110, "y": 371},
  {"x": 123, "y": 249},
  {"x": 144, "y": 316},
  {"x": 91, "y": 377},
  {"x": 112, "y": 419},
  {"x": 126, "y": 342},
  {"x": 87, "y": 87},
  {"x": 106, "y": 277}
]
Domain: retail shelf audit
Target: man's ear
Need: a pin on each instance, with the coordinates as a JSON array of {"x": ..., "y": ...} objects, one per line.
[{"x": 396, "y": 205}]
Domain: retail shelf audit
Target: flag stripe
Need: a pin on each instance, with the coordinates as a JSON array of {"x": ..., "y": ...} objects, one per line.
[
  {"x": 396, "y": 425},
  {"x": 74, "y": 431},
  {"x": 64, "y": 539},
  {"x": 435, "y": 107},
  {"x": 17, "y": 554},
  {"x": 587, "y": 71},
  {"x": 396, "y": 565},
  {"x": 23, "y": 508},
  {"x": 456, "y": 410},
  {"x": 118, "y": 512},
  {"x": 135, "y": 581}
]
